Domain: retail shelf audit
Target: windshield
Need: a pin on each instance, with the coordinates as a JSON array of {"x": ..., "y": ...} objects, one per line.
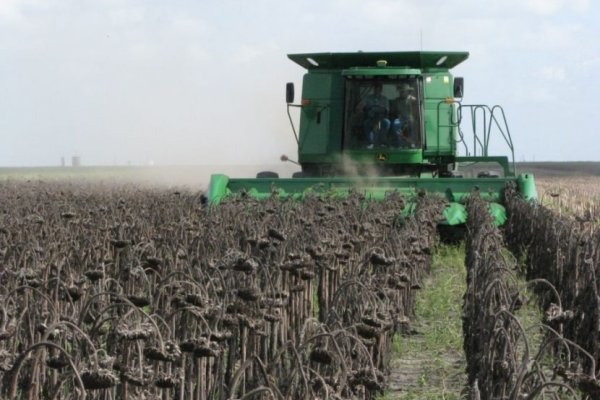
[{"x": 382, "y": 114}]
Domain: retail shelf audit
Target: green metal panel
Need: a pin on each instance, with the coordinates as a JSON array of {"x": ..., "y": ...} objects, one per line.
[
  {"x": 320, "y": 124},
  {"x": 438, "y": 86},
  {"x": 454, "y": 190},
  {"x": 455, "y": 214},
  {"x": 438, "y": 141},
  {"x": 378, "y": 156},
  {"x": 526, "y": 184},
  {"x": 498, "y": 213},
  {"x": 375, "y": 156},
  {"x": 217, "y": 188},
  {"x": 439, "y": 133}
]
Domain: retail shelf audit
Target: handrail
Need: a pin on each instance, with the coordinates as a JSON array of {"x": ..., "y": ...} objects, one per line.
[
  {"x": 476, "y": 139},
  {"x": 459, "y": 131},
  {"x": 507, "y": 137},
  {"x": 494, "y": 118}
]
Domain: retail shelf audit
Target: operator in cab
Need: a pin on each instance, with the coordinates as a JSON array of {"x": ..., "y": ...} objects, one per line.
[
  {"x": 403, "y": 113},
  {"x": 375, "y": 108}
]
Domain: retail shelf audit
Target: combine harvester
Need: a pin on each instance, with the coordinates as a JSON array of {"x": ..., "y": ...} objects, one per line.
[{"x": 384, "y": 122}]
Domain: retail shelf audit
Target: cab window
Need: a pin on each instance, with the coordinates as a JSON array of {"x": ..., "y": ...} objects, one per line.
[{"x": 382, "y": 114}]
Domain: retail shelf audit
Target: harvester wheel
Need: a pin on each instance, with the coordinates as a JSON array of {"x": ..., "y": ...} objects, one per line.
[
  {"x": 267, "y": 174},
  {"x": 298, "y": 174}
]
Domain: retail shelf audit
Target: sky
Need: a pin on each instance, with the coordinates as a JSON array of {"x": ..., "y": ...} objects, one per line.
[{"x": 140, "y": 82}]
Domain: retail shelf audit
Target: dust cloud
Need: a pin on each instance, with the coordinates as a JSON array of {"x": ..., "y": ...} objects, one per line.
[{"x": 193, "y": 177}]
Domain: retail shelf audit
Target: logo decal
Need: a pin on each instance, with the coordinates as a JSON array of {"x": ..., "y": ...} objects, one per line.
[{"x": 381, "y": 157}]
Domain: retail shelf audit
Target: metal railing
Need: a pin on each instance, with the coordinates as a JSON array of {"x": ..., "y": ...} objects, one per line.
[{"x": 485, "y": 122}]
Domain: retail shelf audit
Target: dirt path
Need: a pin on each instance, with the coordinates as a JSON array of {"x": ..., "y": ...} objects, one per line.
[
  {"x": 425, "y": 370},
  {"x": 429, "y": 362}
]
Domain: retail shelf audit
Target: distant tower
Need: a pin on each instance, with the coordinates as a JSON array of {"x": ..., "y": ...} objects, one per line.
[
  {"x": 62, "y": 161},
  {"x": 76, "y": 161}
]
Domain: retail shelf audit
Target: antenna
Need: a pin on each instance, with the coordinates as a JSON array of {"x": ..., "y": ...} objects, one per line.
[{"x": 421, "y": 37}]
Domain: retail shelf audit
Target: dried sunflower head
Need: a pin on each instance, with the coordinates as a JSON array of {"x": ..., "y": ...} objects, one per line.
[{"x": 98, "y": 379}]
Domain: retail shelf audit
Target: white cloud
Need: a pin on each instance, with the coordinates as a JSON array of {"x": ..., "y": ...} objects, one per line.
[
  {"x": 520, "y": 34},
  {"x": 153, "y": 76},
  {"x": 188, "y": 26},
  {"x": 389, "y": 11},
  {"x": 553, "y": 73},
  {"x": 9, "y": 9},
  {"x": 252, "y": 52},
  {"x": 15, "y": 11},
  {"x": 550, "y": 7},
  {"x": 589, "y": 63},
  {"x": 126, "y": 15}
]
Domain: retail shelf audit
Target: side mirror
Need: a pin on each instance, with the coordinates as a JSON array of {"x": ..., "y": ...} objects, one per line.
[
  {"x": 459, "y": 87},
  {"x": 289, "y": 92}
]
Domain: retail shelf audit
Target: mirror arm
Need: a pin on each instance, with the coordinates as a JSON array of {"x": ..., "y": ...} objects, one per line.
[{"x": 292, "y": 122}]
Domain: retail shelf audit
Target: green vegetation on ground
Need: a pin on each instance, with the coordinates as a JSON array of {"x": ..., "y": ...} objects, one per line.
[
  {"x": 429, "y": 362},
  {"x": 430, "y": 359}
]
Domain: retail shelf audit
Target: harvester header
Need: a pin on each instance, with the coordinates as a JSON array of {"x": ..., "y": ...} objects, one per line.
[{"x": 382, "y": 122}]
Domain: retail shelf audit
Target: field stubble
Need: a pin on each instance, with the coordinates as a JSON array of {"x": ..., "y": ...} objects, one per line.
[{"x": 577, "y": 196}]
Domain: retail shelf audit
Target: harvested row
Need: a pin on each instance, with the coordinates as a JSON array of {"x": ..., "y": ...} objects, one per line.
[
  {"x": 503, "y": 362},
  {"x": 129, "y": 293}
]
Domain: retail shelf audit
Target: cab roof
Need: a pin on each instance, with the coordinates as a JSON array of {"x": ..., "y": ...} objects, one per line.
[{"x": 410, "y": 59}]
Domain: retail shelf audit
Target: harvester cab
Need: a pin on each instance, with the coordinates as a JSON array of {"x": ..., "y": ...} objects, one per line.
[{"x": 384, "y": 122}]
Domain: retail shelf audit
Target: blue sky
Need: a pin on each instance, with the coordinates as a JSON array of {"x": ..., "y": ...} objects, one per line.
[{"x": 202, "y": 82}]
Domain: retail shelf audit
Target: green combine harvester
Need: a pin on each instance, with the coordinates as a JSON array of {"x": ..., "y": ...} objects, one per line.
[{"x": 389, "y": 122}]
